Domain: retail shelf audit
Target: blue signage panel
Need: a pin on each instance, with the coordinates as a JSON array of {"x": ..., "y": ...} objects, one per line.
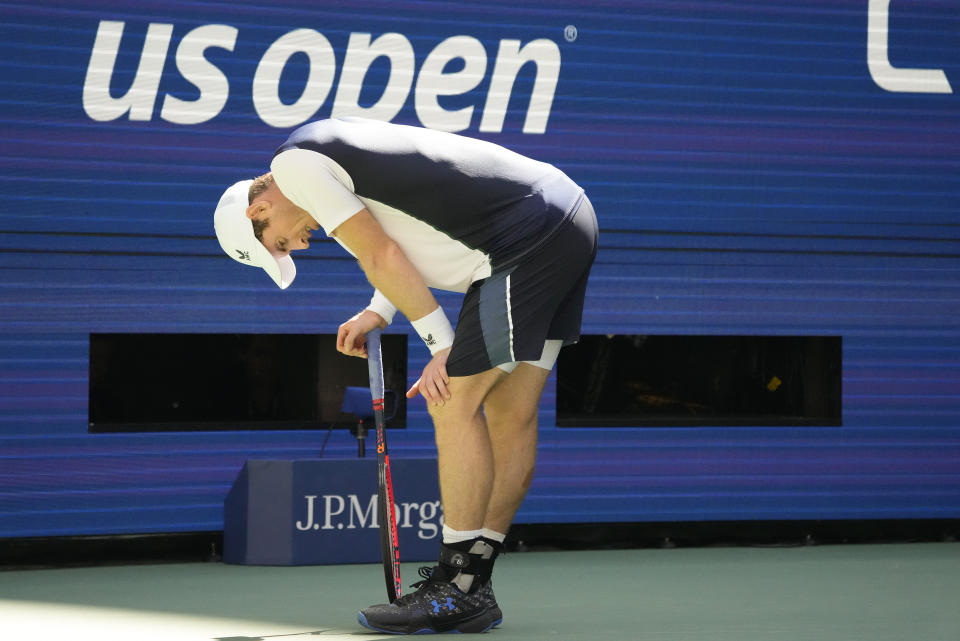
[{"x": 303, "y": 512}]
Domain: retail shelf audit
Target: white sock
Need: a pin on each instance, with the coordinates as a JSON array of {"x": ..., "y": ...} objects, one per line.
[
  {"x": 456, "y": 536},
  {"x": 493, "y": 536}
]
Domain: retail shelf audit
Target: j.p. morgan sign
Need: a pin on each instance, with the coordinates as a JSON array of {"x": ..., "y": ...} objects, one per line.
[{"x": 325, "y": 512}]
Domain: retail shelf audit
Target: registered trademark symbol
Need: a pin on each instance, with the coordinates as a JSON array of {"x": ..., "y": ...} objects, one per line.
[{"x": 569, "y": 33}]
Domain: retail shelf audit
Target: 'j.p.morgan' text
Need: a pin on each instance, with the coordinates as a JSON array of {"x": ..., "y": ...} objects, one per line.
[{"x": 336, "y": 512}]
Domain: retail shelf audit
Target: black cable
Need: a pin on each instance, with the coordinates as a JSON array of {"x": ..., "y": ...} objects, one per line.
[{"x": 324, "y": 446}]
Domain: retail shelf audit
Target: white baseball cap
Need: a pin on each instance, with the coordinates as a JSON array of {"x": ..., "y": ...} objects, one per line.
[{"x": 235, "y": 233}]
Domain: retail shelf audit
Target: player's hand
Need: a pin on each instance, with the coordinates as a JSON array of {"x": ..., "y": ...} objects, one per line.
[
  {"x": 433, "y": 382},
  {"x": 352, "y": 335}
]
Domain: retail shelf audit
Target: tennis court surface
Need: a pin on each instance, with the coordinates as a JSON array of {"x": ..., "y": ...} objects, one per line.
[{"x": 903, "y": 592}]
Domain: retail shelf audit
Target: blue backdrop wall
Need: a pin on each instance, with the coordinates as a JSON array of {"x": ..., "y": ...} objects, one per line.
[{"x": 758, "y": 167}]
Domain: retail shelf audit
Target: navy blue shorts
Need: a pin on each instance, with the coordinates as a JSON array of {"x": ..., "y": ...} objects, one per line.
[{"x": 508, "y": 316}]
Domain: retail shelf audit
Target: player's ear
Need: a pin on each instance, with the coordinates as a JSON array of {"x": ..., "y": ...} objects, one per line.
[{"x": 258, "y": 210}]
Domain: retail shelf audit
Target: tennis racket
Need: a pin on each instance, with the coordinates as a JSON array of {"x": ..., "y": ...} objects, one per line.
[{"x": 386, "y": 515}]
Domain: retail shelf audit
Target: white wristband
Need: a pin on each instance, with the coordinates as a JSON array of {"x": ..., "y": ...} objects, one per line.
[
  {"x": 435, "y": 330},
  {"x": 379, "y": 304}
]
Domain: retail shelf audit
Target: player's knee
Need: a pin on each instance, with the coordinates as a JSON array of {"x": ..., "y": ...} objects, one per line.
[{"x": 518, "y": 416}]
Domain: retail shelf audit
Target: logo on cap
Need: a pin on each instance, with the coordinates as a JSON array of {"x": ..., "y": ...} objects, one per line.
[{"x": 243, "y": 255}]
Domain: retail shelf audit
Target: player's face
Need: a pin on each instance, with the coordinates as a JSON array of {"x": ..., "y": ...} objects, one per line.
[
  {"x": 289, "y": 230},
  {"x": 290, "y": 227}
]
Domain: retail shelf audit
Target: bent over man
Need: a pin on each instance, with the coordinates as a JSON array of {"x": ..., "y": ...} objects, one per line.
[{"x": 423, "y": 209}]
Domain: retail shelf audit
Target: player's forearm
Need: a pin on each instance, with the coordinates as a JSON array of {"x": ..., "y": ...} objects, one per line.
[{"x": 394, "y": 275}]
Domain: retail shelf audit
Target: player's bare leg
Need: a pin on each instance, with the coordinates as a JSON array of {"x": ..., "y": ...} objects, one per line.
[
  {"x": 511, "y": 411},
  {"x": 464, "y": 452},
  {"x": 449, "y": 599}
]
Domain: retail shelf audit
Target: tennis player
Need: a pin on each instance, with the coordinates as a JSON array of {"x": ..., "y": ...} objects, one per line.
[{"x": 423, "y": 209}]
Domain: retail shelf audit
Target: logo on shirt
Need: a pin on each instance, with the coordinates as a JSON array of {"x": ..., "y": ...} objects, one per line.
[
  {"x": 242, "y": 254},
  {"x": 430, "y": 340}
]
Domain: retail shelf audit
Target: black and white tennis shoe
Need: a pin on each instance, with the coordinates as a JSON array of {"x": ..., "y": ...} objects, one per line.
[{"x": 437, "y": 606}]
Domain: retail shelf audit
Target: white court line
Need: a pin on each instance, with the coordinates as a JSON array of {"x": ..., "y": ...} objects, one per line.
[{"x": 41, "y": 621}]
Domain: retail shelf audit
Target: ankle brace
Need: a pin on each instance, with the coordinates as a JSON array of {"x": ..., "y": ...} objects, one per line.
[{"x": 469, "y": 563}]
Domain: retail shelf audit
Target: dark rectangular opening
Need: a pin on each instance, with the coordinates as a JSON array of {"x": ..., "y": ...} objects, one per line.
[
  {"x": 198, "y": 382},
  {"x": 644, "y": 380}
]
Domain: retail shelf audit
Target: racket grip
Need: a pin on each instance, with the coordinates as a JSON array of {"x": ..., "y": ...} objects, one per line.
[{"x": 375, "y": 363}]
